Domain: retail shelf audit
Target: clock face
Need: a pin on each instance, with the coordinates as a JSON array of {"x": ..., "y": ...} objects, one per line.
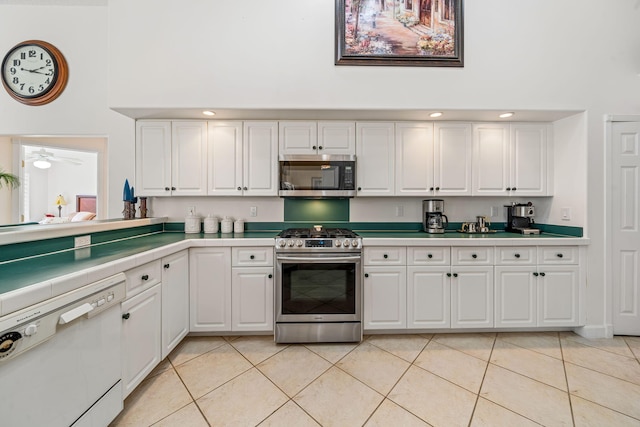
[{"x": 34, "y": 72}]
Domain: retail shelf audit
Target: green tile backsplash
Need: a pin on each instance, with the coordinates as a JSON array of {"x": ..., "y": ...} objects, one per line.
[{"x": 316, "y": 210}]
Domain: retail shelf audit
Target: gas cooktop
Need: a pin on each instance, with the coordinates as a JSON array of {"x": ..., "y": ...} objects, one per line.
[{"x": 318, "y": 238}]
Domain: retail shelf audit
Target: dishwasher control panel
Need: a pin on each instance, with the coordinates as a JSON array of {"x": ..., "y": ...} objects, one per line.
[{"x": 36, "y": 324}]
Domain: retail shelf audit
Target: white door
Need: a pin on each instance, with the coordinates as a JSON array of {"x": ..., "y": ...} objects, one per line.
[
  {"x": 175, "y": 300},
  {"x": 491, "y": 162},
  {"x": 428, "y": 297},
  {"x": 529, "y": 147},
  {"x": 452, "y": 159},
  {"x": 260, "y": 159},
  {"x": 298, "y": 137},
  {"x": 210, "y": 289},
  {"x": 225, "y": 158},
  {"x": 153, "y": 158},
  {"x": 515, "y": 297},
  {"x": 337, "y": 138},
  {"x": 385, "y": 298},
  {"x": 252, "y": 299},
  {"x": 189, "y": 158},
  {"x": 625, "y": 227},
  {"x": 472, "y": 297},
  {"x": 414, "y": 159},
  {"x": 375, "y": 150}
]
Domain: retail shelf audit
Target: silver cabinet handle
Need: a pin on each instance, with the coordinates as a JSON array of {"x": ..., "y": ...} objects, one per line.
[{"x": 318, "y": 259}]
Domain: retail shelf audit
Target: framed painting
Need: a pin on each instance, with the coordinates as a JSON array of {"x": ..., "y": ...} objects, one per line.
[{"x": 424, "y": 33}]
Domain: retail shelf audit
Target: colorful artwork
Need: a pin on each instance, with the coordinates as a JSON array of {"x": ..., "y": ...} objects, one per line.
[{"x": 399, "y": 32}]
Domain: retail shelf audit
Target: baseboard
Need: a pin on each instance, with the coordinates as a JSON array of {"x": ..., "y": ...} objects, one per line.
[{"x": 595, "y": 331}]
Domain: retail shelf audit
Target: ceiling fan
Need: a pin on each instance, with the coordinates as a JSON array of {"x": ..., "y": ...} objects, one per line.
[{"x": 42, "y": 159}]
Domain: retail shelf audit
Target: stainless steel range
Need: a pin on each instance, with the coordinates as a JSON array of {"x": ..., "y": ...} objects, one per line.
[{"x": 318, "y": 285}]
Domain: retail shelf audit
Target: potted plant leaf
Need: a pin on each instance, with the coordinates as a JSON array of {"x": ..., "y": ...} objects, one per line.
[{"x": 8, "y": 179}]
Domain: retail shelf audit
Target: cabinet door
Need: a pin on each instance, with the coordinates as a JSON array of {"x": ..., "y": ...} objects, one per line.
[
  {"x": 452, "y": 154},
  {"x": 385, "y": 297},
  {"x": 189, "y": 158},
  {"x": 153, "y": 158},
  {"x": 175, "y": 301},
  {"x": 375, "y": 150},
  {"x": 141, "y": 337},
  {"x": 298, "y": 137},
  {"x": 529, "y": 152},
  {"x": 252, "y": 299},
  {"x": 516, "y": 295},
  {"x": 210, "y": 289},
  {"x": 472, "y": 297},
  {"x": 260, "y": 159},
  {"x": 428, "y": 297},
  {"x": 224, "y": 158},
  {"x": 337, "y": 138},
  {"x": 491, "y": 159},
  {"x": 558, "y": 295},
  {"x": 414, "y": 159}
]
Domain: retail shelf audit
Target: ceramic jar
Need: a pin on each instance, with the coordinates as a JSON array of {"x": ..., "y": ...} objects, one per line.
[
  {"x": 226, "y": 225},
  {"x": 211, "y": 224},
  {"x": 238, "y": 226}
]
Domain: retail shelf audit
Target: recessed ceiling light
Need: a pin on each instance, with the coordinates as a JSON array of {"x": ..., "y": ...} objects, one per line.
[
  {"x": 208, "y": 113},
  {"x": 506, "y": 115},
  {"x": 436, "y": 114}
]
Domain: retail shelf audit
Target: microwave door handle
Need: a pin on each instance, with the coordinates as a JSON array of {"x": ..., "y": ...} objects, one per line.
[{"x": 321, "y": 259}]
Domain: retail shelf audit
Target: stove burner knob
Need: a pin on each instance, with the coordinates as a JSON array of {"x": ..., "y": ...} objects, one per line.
[
  {"x": 338, "y": 244},
  {"x": 354, "y": 243},
  {"x": 346, "y": 243},
  {"x": 31, "y": 330},
  {"x": 299, "y": 243},
  {"x": 282, "y": 243},
  {"x": 290, "y": 243}
]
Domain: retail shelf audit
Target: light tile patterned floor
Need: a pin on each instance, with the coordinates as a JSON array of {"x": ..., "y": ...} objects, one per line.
[{"x": 486, "y": 379}]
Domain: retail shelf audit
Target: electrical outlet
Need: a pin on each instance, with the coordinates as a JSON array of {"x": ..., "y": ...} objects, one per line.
[
  {"x": 191, "y": 210},
  {"x": 566, "y": 214},
  {"x": 399, "y": 210},
  {"x": 81, "y": 241},
  {"x": 253, "y": 211},
  {"x": 494, "y": 211}
]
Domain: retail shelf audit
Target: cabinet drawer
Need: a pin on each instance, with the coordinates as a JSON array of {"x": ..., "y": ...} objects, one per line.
[
  {"x": 472, "y": 255},
  {"x": 143, "y": 277},
  {"x": 255, "y": 257},
  {"x": 517, "y": 255},
  {"x": 385, "y": 256},
  {"x": 558, "y": 255},
  {"x": 428, "y": 256}
]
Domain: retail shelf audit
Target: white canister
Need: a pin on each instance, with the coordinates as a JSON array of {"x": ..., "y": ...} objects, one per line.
[
  {"x": 192, "y": 224},
  {"x": 226, "y": 225},
  {"x": 238, "y": 226},
  {"x": 210, "y": 224}
]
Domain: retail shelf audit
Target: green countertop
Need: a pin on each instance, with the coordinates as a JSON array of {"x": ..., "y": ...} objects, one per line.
[{"x": 499, "y": 234}]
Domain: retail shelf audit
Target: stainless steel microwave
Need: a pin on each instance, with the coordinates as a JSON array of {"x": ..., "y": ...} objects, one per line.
[{"x": 317, "y": 176}]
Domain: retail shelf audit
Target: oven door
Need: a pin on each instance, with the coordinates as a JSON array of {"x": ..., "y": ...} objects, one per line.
[{"x": 318, "y": 287}]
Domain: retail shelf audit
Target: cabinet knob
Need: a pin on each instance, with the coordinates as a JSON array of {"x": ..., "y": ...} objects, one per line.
[
  {"x": 517, "y": 255},
  {"x": 455, "y": 274},
  {"x": 429, "y": 256},
  {"x": 270, "y": 276},
  {"x": 385, "y": 256},
  {"x": 167, "y": 265},
  {"x": 508, "y": 188},
  {"x": 239, "y": 188},
  {"x": 166, "y": 188},
  {"x": 542, "y": 274},
  {"x": 252, "y": 257},
  {"x": 431, "y": 189},
  {"x": 535, "y": 274},
  {"x": 126, "y": 316},
  {"x": 244, "y": 188},
  {"x": 145, "y": 277},
  {"x": 173, "y": 188},
  {"x": 559, "y": 255},
  {"x": 366, "y": 274},
  {"x": 359, "y": 188},
  {"x": 314, "y": 147},
  {"x": 437, "y": 188},
  {"x": 320, "y": 147},
  {"x": 448, "y": 274},
  {"x": 474, "y": 256},
  {"x": 514, "y": 189}
]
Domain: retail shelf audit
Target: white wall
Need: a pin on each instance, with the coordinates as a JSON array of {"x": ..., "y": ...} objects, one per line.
[{"x": 6, "y": 164}]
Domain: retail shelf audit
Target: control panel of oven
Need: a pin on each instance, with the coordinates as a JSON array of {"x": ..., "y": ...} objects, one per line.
[{"x": 302, "y": 244}]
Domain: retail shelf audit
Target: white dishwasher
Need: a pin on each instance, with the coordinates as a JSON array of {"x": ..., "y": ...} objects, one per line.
[{"x": 60, "y": 361}]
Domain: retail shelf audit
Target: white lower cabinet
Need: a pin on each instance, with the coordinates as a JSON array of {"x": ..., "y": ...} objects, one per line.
[
  {"x": 210, "y": 289},
  {"x": 175, "y": 300},
  {"x": 558, "y": 295},
  {"x": 472, "y": 297},
  {"x": 516, "y": 296},
  {"x": 385, "y": 297},
  {"x": 252, "y": 299},
  {"x": 428, "y": 297},
  {"x": 141, "y": 337}
]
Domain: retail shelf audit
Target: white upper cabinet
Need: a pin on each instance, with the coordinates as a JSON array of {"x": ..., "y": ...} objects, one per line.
[
  {"x": 375, "y": 151},
  {"x": 511, "y": 159},
  {"x": 243, "y": 158},
  {"x": 452, "y": 159},
  {"x": 323, "y": 137},
  {"x": 171, "y": 158},
  {"x": 414, "y": 159}
]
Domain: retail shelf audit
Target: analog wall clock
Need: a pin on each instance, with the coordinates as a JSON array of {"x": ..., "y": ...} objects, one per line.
[{"x": 34, "y": 72}]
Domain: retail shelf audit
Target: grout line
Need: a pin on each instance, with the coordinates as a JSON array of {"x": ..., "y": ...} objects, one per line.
[{"x": 486, "y": 368}]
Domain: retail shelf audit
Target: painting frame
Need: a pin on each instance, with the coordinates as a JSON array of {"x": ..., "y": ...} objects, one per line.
[{"x": 344, "y": 31}]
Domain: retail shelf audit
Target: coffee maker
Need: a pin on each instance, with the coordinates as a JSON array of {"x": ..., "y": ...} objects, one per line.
[
  {"x": 433, "y": 220},
  {"x": 520, "y": 218}
]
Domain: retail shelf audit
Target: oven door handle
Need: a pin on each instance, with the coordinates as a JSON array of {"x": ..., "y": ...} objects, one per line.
[{"x": 321, "y": 259}]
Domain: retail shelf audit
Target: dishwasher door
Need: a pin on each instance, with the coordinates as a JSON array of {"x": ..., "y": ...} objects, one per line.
[{"x": 64, "y": 378}]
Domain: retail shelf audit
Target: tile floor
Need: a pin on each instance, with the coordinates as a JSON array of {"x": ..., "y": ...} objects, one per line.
[{"x": 484, "y": 379}]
